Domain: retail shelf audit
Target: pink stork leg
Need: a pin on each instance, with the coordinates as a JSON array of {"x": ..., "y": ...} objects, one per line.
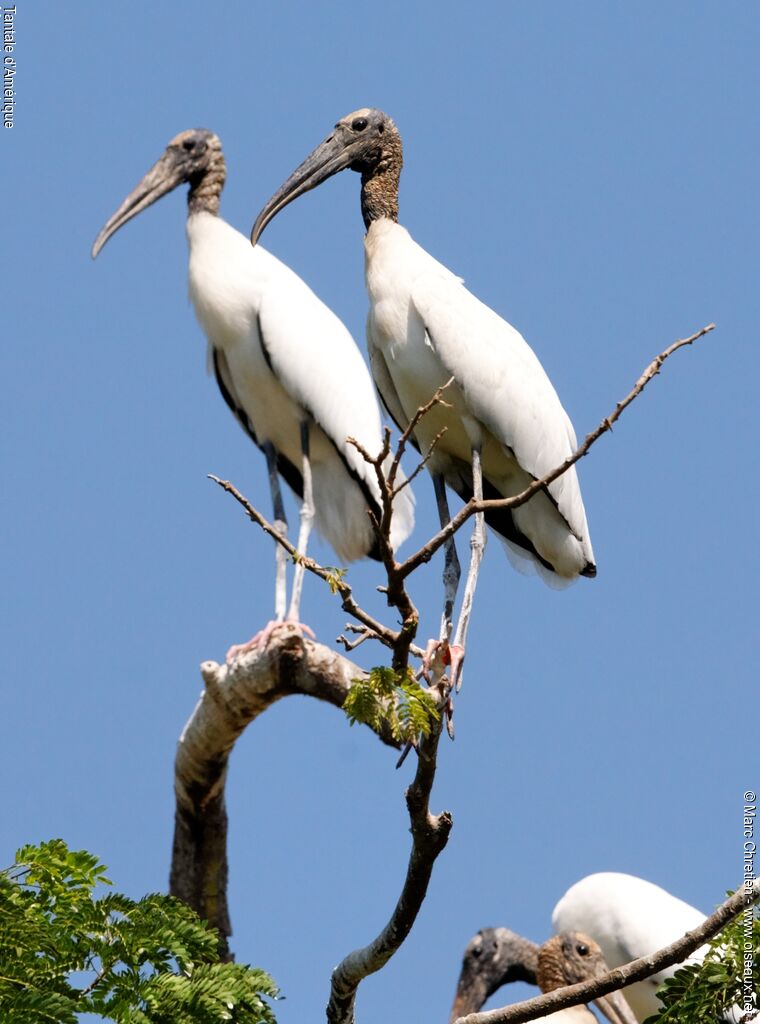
[
  {"x": 477, "y": 548},
  {"x": 307, "y": 521},
  {"x": 261, "y": 639}
]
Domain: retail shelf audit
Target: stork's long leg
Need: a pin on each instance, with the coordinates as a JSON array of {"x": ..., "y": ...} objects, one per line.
[
  {"x": 281, "y": 526},
  {"x": 261, "y": 639},
  {"x": 307, "y": 519},
  {"x": 477, "y": 547},
  {"x": 451, "y": 568}
]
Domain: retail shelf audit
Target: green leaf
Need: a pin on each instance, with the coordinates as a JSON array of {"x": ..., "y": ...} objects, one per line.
[
  {"x": 700, "y": 993},
  {"x": 335, "y": 578},
  {"x": 397, "y": 699},
  {"x": 65, "y": 951}
]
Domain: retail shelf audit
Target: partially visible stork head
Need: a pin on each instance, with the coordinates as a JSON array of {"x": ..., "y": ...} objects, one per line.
[
  {"x": 193, "y": 157},
  {"x": 494, "y": 957},
  {"x": 366, "y": 141},
  {"x": 572, "y": 957}
]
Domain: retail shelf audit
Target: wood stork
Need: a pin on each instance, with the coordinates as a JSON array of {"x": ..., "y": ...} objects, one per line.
[
  {"x": 505, "y": 425},
  {"x": 569, "y": 958},
  {"x": 629, "y": 918},
  {"x": 285, "y": 364},
  {"x": 494, "y": 957},
  {"x": 497, "y": 956}
]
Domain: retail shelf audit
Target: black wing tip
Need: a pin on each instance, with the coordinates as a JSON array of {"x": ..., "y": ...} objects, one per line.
[
  {"x": 374, "y": 552},
  {"x": 589, "y": 570}
]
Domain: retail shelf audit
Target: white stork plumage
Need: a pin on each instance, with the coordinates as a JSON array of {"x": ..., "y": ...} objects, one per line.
[
  {"x": 285, "y": 364},
  {"x": 629, "y": 918},
  {"x": 496, "y": 957},
  {"x": 505, "y": 425}
]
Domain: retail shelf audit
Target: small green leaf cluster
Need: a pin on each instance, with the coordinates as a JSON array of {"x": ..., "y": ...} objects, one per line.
[
  {"x": 334, "y": 578},
  {"x": 64, "y": 952},
  {"x": 395, "y": 698},
  {"x": 701, "y": 993}
]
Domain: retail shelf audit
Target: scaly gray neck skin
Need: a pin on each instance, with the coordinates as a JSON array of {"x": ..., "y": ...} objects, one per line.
[
  {"x": 205, "y": 191},
  {"x": 380, "y": 181}
]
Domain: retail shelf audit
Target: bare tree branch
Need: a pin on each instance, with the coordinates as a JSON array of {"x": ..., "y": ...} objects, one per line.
[
  {"x": 430, "y": 834},
  {"x": 364, "y": 634},
  {"x": 422, "y": 463},
  {"x": 335, "y": 582},
  {"x": 234, "y": 696},
  {"x": 423, "y": 410},
  {"x": 637, "y": 970},
  {"x": 427, "y": 551}
]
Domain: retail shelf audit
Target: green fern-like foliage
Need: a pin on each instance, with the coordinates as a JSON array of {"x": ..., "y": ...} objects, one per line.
[
  {"x": 64, "y": 952},
  {"x": 392, "y": 697},
  {"x": 700, "y": 993}
]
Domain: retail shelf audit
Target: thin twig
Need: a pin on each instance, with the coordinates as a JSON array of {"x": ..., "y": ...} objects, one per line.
[
  {"x": 422, "y": 464},
  {"x": 636, "y": 970},
  {"x": 385, "y": 635},
  {"x": 437, "y": 399},
  {"x": 426, "y": 552},
  {"x": 382, "y": 525},
  {"x": 351, "y": 645},
  {"x": 96, "y": 980}
]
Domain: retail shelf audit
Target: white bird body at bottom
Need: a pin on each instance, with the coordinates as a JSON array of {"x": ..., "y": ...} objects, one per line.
[{"x": 629, "y": 918}]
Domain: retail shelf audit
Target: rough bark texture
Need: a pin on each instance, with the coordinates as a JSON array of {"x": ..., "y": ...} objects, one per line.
[
  {"x": 233, "y": 697},
  {"x": 430, "y": 833}
]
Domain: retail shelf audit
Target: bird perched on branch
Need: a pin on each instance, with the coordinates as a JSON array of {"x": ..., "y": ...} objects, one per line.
[
  {"x": 630, "y": 918},
  {"x": 285, "y": 364},
  {"x": 503, "y": 424},
  {"x": 496, "y": 957}
]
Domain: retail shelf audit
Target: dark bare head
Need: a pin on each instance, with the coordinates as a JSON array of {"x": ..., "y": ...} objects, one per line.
[
  {"x": 366, "y": 141},
  {"x": 194, "y": 158},
  {"x": 494, "y": 957}
]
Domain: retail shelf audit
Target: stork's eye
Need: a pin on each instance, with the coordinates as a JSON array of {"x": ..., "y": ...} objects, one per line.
[
  {"x": 582, "y": 949},
  {"x": 359, "y": 124},
  {"x": 190, "y": 144}
]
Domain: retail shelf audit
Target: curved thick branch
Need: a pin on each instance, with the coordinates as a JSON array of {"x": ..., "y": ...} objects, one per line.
[
  {"x": 234, "y": 696},
  {"x": 426, "y": 552},
  {"x": 637, "y": 970},
  {"x": 430, "y": 834}
]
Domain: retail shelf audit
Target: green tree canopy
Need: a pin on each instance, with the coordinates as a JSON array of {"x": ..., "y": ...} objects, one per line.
[{"x": 65, "y": 952}]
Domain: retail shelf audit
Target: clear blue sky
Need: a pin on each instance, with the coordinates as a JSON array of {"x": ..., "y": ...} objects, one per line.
[{"x": 591, "y": 171}]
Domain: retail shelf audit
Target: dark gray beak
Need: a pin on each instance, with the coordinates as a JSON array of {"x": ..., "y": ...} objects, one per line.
[
  {"x": 494, "y": 957},
  {"x": 163, "y": 176},
  {"x": 336, "y": 153}
]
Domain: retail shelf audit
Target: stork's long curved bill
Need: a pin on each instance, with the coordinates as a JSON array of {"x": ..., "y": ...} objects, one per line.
[
  {"x": 333, "y": 155},
  {"x": 615, "y": 1008},
  {"x": 163, "y": 176}
]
